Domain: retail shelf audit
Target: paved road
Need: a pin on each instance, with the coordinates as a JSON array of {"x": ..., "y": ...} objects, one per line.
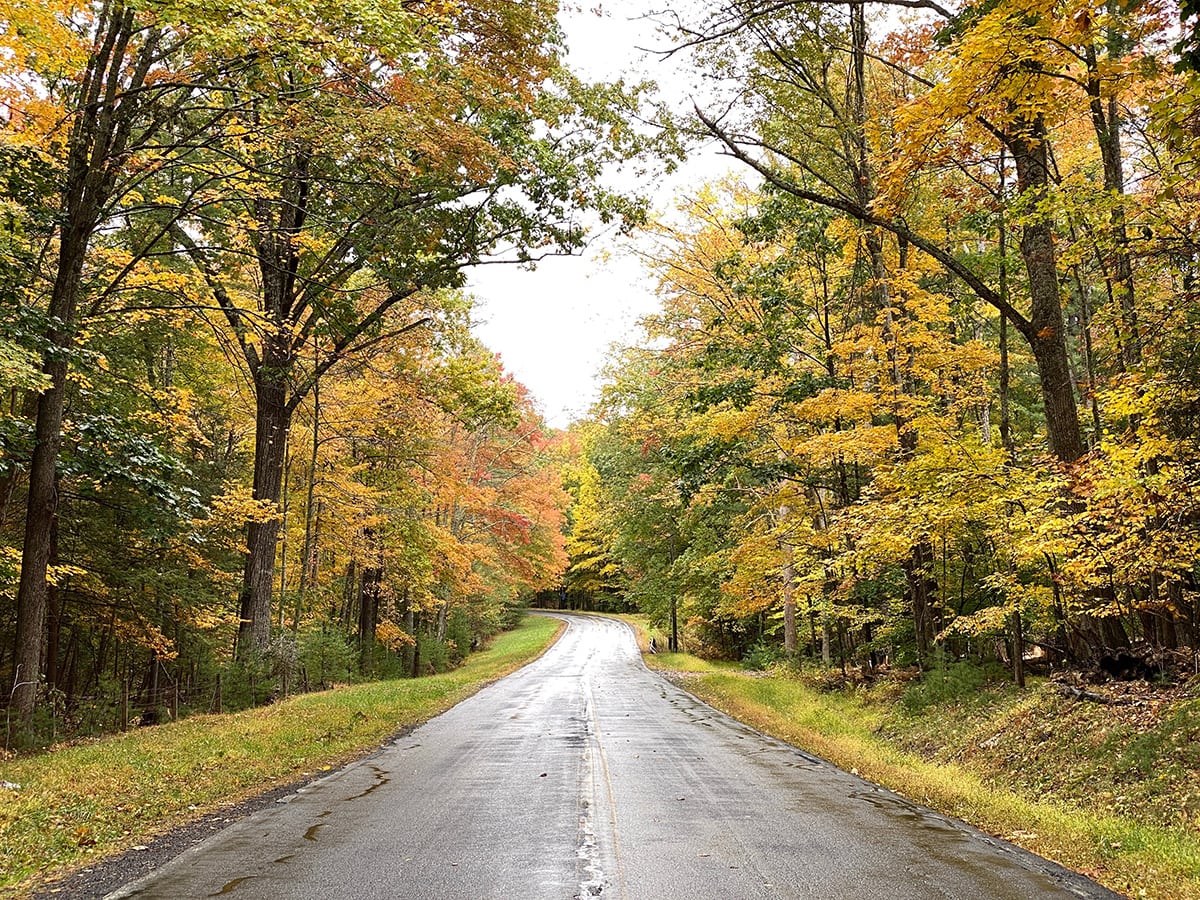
[{"x": 585, "y": 775}]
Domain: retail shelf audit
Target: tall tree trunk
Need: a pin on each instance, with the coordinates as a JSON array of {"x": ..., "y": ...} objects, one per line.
[
  {"x": 308, "y": 570},
  {"x": 97, "y": 144},
  {"x": 1047, "y": 333},
  {"x": 272, "y": 419},
  {"x": 285, "y": 508},
  {"x": 416, "y": 655},
  {"x": 1006, "y": 438},
  {"x": 1091, "y": 397},
  {"x": 54, "y": 610},
  {"x": 42, "y": 501},
  {"x": 368, "y": 613},
  {"x": 789, "y": 603},
  {"x": 1018, "y": 632},
  {"x": 410, "y": 627},
  {"x": 70, "y": 667},
  {"x": 920, "y": 591},
  {"x": 788, "y": 578},
  {"x": 673, "y": 640},
  {"x": 1106, "y": 121}
]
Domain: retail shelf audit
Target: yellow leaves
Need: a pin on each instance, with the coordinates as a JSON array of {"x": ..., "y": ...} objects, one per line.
[
  {"x": 143, "y": 634},
  {"x": 236, "y": 508},
  {"x": 208, "y": 619},
  {"x": 730, "y": 423},
  {"x": 1015, "y": 63},
  {"x": 58, "y": 575},
  {"x": 991, "y": 620},
  {"x": 848, "y": 405},
  {"x": 392, "y": 636}
]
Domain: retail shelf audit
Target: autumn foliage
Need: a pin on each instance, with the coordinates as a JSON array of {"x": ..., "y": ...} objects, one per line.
[
  {"x": 924, "y": 386},
  {"x": 248, "y": 443}
]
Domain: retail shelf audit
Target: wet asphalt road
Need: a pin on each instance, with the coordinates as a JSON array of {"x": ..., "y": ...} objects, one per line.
[{"x": 585, "y": 775}]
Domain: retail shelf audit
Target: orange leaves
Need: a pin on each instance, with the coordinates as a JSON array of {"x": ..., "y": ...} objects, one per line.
[
  {"x": 433, "y": 464},
  {"x": 392, "y": 636}
]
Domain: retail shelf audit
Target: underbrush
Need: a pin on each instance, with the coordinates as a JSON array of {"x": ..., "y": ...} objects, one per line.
[
  {"x": 313, "y": 659},
  {"x": 1137, "y": 755}
]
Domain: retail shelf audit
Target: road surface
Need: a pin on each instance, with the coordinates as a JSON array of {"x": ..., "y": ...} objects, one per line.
[{"x": 586, "y": 775}]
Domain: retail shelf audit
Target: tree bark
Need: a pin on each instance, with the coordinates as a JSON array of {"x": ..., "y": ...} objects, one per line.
[
  {"x": 368, "y": 614},
  {"x": 308, "y": 569},
  {"x": 42, "y": 502},
  {"x": 789, "y": 608},
  {"x": 416, "y": 654},
  {"x": 1047, "y": 333},
  {"x": 788, "y": 576},
  {"x": 54, "y": 610},
  {"x": 1018, "y": 630},
  {"x": 1106, "y": 121},
  {"x": 272, "y": 419},
  {"x": 921, "y": 598}
]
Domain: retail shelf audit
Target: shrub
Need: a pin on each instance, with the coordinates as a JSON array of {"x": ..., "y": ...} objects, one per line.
[
  {"x": 763, "y": 655},
  {"x": 949, "y": 681},
  {"x": 326, "y": 657}
]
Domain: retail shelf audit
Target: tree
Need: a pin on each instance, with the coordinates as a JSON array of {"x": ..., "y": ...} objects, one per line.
[
  {"x": 812, "y": 57},
  {"x": 352, "y": 198},
  {"x": 88, "y": 86}
]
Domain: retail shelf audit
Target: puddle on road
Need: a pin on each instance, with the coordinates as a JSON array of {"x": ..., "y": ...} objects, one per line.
[
  {"x": 311, "y": 834},
  {"x": 230, "y": 885},
  {"x": 910, "y": 812},
  {"x": 381, "y": 778}
]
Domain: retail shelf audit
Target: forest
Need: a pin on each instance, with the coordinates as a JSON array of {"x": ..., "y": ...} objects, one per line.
[
  {"x": 924, "y": 385},
  {"x": 249, "y": 444}
]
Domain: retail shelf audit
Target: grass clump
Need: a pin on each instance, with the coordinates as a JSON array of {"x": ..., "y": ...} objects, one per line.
[
  {"x": 664, "y": 661},
  {"x": 83, "y": 800}
]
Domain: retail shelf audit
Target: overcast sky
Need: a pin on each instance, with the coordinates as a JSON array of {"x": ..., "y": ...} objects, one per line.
[{"x": 553, "y": 326}]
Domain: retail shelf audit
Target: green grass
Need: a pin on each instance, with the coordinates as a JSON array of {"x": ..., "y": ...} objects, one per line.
[
  {"x": 663, "y": 661},
  {"x": 82, "y": 801},
  {"x": 923, "y": 750}
]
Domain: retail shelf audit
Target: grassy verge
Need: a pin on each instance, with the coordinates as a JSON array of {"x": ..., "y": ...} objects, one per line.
[
  {"x": 1080, "y": 831},
  {"x": 78, "y": 802}
]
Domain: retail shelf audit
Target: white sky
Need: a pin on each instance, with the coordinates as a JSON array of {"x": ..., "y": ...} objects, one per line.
[{"x": 553, "y": 326}]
